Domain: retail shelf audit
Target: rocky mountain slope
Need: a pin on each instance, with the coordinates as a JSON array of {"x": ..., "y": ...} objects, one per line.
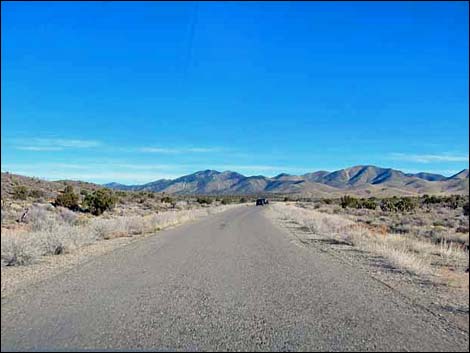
[{"x": 359, "y": 180}]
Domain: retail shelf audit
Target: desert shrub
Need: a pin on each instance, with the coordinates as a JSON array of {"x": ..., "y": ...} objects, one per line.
[
  {"x": 243, "y": 200},
  {"x": 67, "y": 216},
  {"x": 148, "y": 205},
  {"x": 16, "y": 252},
  {"x": 395, "y": 204},
  {"x": 39, "y": 219},
  {"x": 104, "y": 228},
  {"x": 466, "y": 209},
  {"x": 462, "y": 229},
  {"x": 455, "y": 201},
  {"x": 134, "y": 225},
  {"x": 20, "y": 192},
  {"x": 406, "y": 204},
  {"x": 67, "y": 199},
  {"x": 327, "y": 201},
  {"x": 53, "y": 243},
  {"x": 348, "y": 201},
  {"x": 388, "y": 205},
  {"x": 35, "y": 193},
  {"x": 142, "y": 195},
  {"x": 99, "y": 201},
  {"x": 204, "y": 200},
  {"x": 84, "y": 192},
  {"x": 452, "y": 201},
  {"x": 367, "y": 203},
  {"x": 226, "y": 201},
  {"x": 166, "y": 199},
  {"x": 431, "y": 199},
  {"x": 286, "y": 199}
]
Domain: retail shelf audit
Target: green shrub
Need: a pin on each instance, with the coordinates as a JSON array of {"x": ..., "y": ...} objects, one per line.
[
  {"x": 351, "y": 202},
  {"x": 99, "y": 201},
  {"x": 20, "y": 192},
  {"x": 368, "y": 203},
  {"x": 204, "y": 200},
  {"x": 395, "y": 204},
  {"x": 388, "y": 205},
  {"x": 36, "y": 193},
  {"x": 432, "y": 199},
  {"x": 348, "y": 201},
  {"x": 167, "y": 199},
  {"x": 406, "y": 204},
  {"x": 67, "y": 199},
  {"x": 455, "y": 201}
]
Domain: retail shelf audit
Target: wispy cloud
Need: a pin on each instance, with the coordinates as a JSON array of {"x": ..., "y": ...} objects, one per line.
[
  {"x": 59, "y": 144},
  {"x": 52, "y": 144},
  {"x": 445, "y": 172},
  {"x": 38, "y": 148},
  {"x": 429, "y": 158},
  {"x": 166, "y": 150}
]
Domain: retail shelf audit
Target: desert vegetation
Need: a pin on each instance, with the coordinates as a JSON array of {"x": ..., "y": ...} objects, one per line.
[
  {"x": 75, "y": 215},
  {"x": 424, "y": 236},
  {"x": 59, "y": 230},
  {"x": 434, "y": 218}
]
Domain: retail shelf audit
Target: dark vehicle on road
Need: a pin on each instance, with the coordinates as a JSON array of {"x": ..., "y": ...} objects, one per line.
[{"x": 262, "y": 202}]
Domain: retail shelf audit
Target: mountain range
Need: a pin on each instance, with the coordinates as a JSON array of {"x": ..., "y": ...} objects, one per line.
[{"x": 358, "y": 180}]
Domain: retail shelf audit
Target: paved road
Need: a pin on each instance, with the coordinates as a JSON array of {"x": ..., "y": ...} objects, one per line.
[{"x": 230, "y": 282}]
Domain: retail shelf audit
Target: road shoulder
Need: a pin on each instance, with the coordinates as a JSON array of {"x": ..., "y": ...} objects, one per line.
[{"x": 449, "y": 305}]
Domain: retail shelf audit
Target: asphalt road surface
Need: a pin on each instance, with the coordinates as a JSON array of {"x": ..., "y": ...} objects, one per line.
[{"x": 232, "y": 281}]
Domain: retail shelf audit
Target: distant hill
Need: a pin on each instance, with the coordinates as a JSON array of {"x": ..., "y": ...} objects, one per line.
[
  {"x": 428, "y": 176},
  {"x": 359, "y": 180},
  {"x": 363, "y": 181},
  {"x": 460, "y": 175},
  {"x": 49, "y": 189}
]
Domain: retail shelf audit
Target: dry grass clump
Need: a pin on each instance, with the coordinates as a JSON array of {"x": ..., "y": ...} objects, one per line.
[
  {"x": 17, "y": 251},
  {"x": 331, "y": 226},
  {"x": 402, "y": 258},
  {"x": 24, "y": 248},
  {"x": 418, "y": 255}
]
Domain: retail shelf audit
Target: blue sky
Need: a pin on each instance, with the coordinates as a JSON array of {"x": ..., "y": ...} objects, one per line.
[{"x": 136, "y": 91}]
